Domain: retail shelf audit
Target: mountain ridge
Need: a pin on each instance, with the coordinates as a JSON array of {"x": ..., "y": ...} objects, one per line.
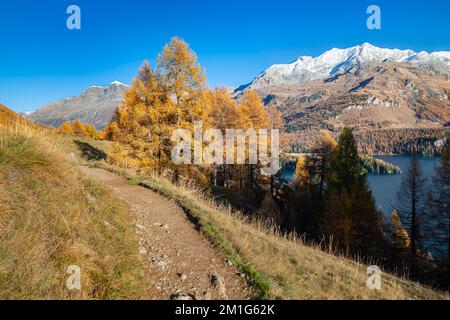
[
  {"x": 96, "y": 106},
  {"x": 339, "y": 61},
  {"x": 391, "y": 98}
]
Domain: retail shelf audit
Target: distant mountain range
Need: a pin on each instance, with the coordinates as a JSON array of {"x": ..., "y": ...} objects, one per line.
[
  {"x": 95, "y": 106},
  {"x": 365, "y": 87},
  {"x": 340, "y": 61}
]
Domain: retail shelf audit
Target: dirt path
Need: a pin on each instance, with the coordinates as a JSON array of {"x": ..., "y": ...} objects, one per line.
[{"x": 179, "y": 260}]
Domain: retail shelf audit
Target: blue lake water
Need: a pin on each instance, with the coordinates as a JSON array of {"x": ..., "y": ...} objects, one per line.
[{"x": 385, "y": 187}]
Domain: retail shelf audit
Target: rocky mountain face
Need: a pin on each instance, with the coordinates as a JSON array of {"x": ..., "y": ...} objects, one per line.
[
  {"x": 95, "y": 106},
  {"x": 364, "y": 87},
  {"x": 340, "y": 61}
]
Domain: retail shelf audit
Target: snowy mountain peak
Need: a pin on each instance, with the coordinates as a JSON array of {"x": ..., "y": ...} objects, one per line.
[
  {"x": 118, "y": 83},
  {"x": 112, "y": 84},
  {"x": 338, "y": 61}
]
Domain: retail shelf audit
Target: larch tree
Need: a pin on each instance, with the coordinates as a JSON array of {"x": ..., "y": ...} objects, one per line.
[
  {"x": 411, "y": 198},
  {"x": 322, "y": 155},
  {"x": 252, "y": 111},
  {"x": 66, "y": 128},
  {"x": 173, "y": 96},
  {"x": 144, "y": 122},
  {"x": 224, "y": 115},
  {"x": 275, "y": 118},
  {"x": 399, "y": 237},
  {"x": 253, "y": 117},
  {"x": 224, "y": 110},
  {"x": 438, "y": 204},
  {"x": 78, "y": 128},
  {"x": 184, "y": 80}
]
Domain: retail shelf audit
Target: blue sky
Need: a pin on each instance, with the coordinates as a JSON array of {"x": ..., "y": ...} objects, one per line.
[{"x": 41, "y": 60}]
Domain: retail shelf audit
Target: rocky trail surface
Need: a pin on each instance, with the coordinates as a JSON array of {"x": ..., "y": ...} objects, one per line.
[{"x": 181, "y": 264}]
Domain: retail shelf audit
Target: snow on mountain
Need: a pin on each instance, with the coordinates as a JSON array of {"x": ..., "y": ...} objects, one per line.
[
  {"x": 118, "y": 83},
  {"x": 339, "y": 61}
]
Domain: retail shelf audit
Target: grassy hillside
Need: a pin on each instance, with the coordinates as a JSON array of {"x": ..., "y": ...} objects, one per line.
[
  {"x": 11, "y": 119},
  {"x": 280, "y": 267},
  {"x": 52, "y": 217}
]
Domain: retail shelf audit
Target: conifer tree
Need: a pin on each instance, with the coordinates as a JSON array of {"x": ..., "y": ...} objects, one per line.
[
  {"x": 275, "y": 119},
  {"x": 78, "y": 128},
  {"x": 173, "y": 96},
  {"x": 224, "y": 115},
  {"x": 350, "y": 215},
  {"x": 184, "y": 80},
  {"x": 322, "y": 155},
  {"x": 439, "y": 203},
  {"x": 253, "y": 116},
  {"x": 252, "y": 111},
  {"x": 66, "y": 128},
  {"x": 400, "y": 237},
  {"x": 224, "y": 110},
  {"x": 411, "y": 197}
]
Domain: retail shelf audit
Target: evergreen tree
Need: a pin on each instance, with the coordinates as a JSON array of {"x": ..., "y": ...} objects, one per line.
[
  {"x": 439, "y": 202},
  {"x": 350, "y": 215},
  {"x": 347, "y": 170},
  {"x": 411, "y": 197}
]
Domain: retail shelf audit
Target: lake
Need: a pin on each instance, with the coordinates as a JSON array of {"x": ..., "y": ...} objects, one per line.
[{"x": 385, "y": 187}]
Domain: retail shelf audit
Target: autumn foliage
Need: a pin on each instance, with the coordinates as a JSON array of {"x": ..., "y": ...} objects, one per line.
[
  {"x": 174, "y": 95},
  {"x": 80, "y": 129}
]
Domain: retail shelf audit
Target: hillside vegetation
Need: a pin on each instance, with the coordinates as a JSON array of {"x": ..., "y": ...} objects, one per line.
[
  {"x": 279, "y": 266},
  {"x": 52, "y": 217},
  {"x": 9, "y": 118}
]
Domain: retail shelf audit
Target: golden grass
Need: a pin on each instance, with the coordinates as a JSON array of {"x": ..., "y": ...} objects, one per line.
[
  {"x": 282, "y": 267},
  {"x": 51, "y": 217}
]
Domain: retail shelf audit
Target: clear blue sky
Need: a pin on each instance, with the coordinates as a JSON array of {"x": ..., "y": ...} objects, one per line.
[{"x": 41, "y": 60}]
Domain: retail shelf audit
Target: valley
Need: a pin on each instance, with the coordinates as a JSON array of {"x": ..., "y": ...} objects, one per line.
[
  {"x": 395, "y": 100},
  {"x": 169, "y": 219}
]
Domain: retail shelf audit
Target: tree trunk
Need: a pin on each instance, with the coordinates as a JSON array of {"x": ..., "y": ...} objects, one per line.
[{"x": 413, "y": 218}]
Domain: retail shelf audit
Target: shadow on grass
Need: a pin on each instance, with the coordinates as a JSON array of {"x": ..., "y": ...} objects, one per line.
[{"x": 89, "y": 152}]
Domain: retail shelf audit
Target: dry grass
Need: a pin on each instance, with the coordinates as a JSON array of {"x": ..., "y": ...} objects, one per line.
[
  {"x": 281, "y": 267},
  {"x": 51, "y": 217}
]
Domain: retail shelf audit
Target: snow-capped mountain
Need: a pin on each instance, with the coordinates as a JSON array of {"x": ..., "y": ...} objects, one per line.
[
  {"x": 391, "y": 97},
  {"x": 339, "y": 61},
  {"x": 95, "y": 106}
]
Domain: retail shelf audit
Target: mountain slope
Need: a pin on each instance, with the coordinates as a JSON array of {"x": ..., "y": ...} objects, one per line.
[
  {"x": 280, "y": 267},
  {"x": 339, "y": 61},
  {"x": 52, "y": 217},
  {"x": 364, "y": 87},
  {"x": 95, "y": 106},
  {"x": 386, "y": 95},
  {"x": 9, "y": 118}
]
